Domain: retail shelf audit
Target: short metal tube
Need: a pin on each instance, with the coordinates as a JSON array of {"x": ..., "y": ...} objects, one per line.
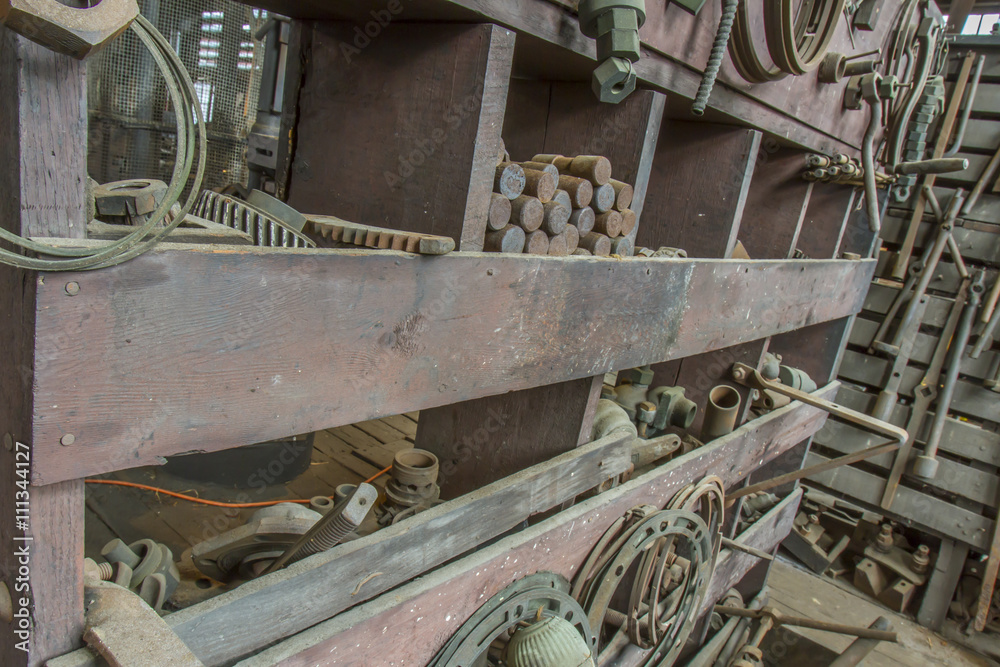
[{"x": 721, "y": 412}]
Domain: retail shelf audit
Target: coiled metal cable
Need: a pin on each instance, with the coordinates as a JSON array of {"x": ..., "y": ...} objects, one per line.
[
  {"x": 190, "y": 130},
  {"x": 715, "y": 58}
]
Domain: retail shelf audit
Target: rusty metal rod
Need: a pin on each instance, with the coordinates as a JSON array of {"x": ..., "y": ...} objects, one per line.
[
  {"x": 813, "y": 624},
  {"x": 739, "y": 546},
  {"x": 862, "y": 646}
]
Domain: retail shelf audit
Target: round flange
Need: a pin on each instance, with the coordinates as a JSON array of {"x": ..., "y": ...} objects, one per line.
[{"x": 539, "y": 595}]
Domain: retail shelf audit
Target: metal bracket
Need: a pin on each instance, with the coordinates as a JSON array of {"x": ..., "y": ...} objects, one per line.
[{"x": 751, "y": 377}]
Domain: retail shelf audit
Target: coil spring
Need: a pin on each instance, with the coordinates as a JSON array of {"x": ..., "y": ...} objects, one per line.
[{"x": 715, "y": 59}]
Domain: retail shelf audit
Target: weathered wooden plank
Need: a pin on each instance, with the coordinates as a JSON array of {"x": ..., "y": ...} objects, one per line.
[
  {"x": 676, "y": 48},
  {"x": 404, "y": 133},
  {"x": 437, "y": 535},
  {"x": 971, "y": 399},
  {"x": 825, "y": 220},
  {"x": 699, "y": 181},
  {"x": 387, "y": 629},
  {"x": 776, "y": 202},
  {"x": 910, "y": 507},
  {"x": 43, "y": 143},
  {"x": 387, "y": 333},
  {"x": 486, "y": 439}
]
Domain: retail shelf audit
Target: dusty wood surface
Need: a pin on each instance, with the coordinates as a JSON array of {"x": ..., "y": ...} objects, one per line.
[
  {"x": 383, "y": 333},
  {"x": 43, "y": 143},
  {"x": 800, "y": 593},
  {"x": 386, "y": 629},
  {"x": 797, "y": 108},
  {"x": 404, "y": 133},
  {"x": 776, "y": 202},
  {"x": 700, "y": 180}
]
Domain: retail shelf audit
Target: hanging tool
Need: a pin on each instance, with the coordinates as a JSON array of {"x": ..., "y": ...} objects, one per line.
[
  {"x": 870, "y": 93},
  {"x": 944, "y": 133},
  {"x": 923, "y": 395},
  {"x": 751, "y": 377},
  {"x": 926, "y": 466},
  {"x": 970, "y": 96},
  {"x": 986, "y": 335}
]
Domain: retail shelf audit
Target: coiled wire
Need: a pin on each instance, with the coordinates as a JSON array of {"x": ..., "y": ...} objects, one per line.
[
  {"x": 715, "y": 58},
  {"x": 190, "y": 131}
]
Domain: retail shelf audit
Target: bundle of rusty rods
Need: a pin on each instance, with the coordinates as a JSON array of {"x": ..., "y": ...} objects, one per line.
[{"x": 556, "y": 205}]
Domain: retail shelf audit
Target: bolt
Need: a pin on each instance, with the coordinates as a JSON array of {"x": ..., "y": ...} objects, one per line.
[
  {"x": 739, "y": 374},
  {"x": 884, "y": 541},
  {"x": 72, "y": 288},
  {"x": 67, "y": 439},
  {"x": 8, "y": 441},
  {"x": 814, "y": 518},
  {"x": 6, "y": 604},
  {"x": 921, "y": 559}
]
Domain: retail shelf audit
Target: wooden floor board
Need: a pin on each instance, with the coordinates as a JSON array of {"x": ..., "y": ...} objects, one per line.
[{"x": 797, "y": 592}]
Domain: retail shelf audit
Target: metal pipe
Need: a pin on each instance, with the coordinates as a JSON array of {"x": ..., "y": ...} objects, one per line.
[
  {"x": 721, "y": 412},
  {"x": 967, "y": 110},
  {"x": 938, "y": 166},
  {"x": 926, "y": 466},
  {"x": 862, "y": 646},
  {"x": 868, "y": 158},
  {"x": 991, "y": 301},
  {"x": 986, "y": 335},
  {"x": 780, "y": 619}
]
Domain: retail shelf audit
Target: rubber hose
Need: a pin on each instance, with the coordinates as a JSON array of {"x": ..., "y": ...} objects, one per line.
[{"x": 715, "y": 59}]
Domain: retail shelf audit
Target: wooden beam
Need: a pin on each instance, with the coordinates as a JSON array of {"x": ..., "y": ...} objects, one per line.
[
  {"x": 675, "y": 50},
  {"x": 403, "y": 130},
  {"x": 386, "y": 629},
  {"x": 211, "y": 348},
  {"x": 43, "y": 139}
]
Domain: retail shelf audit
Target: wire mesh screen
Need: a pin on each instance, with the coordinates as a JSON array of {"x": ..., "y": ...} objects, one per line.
[{"x": 132, "y": 131}]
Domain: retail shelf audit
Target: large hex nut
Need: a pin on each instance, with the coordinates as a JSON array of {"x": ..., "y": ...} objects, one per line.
[
  {"x": 613, "y": 80},
  {"x": 139, "y": 196},
  {"x": 619, "y": 44},
  {"x": 74, "y": 32}
]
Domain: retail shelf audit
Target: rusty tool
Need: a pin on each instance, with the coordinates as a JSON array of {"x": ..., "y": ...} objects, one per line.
[
  {"x": 986, "y": 335},
  {"x": 990, "y": 304},
  {"x": 861, "y": 647},
  {"x": 336, "y": 230},
  {"x": 970, "y": 97},
  {"x": 946, "y": 124},
  {"x": 926, "y": 466},
  {"x": 924, "y": 394},
  {"x": 751, "y": 377},
  {"x": 327, "y": 533},
  {"x": 984, "y": 178},
  {"x": 779, "y": 619}
]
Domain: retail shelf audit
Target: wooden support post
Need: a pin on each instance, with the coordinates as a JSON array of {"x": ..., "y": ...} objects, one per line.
[
  {"x": 43, "y": 139},
  {"x": 403, "y": 133},
  {"x": 699, "y": 185},
  {"x": 489, "y": 438}
]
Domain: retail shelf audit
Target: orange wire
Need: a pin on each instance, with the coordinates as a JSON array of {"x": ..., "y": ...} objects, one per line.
[{"x": 213, "y": 503}]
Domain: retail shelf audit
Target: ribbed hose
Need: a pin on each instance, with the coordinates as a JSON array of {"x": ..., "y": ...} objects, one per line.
[{"x": 715, "y": 59}]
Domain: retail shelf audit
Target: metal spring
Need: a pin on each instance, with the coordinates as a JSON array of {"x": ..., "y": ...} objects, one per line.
[
  {"x": 327, "y": 538},
  {"x": 715, "y": 59}
]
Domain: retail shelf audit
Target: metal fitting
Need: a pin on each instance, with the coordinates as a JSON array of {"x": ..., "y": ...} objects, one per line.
[
  {"x": 615, "y": 25},
  {"x": 129, "y": 199},
  {"x": 921, "y": 559},
  {"x": 673, "y": 408},
  {"x": 613, "y": 80},
  {"x": 884, "y": 541},
  {"x": 146, "y": 567},
  {"x": 76, "y": 32}
]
